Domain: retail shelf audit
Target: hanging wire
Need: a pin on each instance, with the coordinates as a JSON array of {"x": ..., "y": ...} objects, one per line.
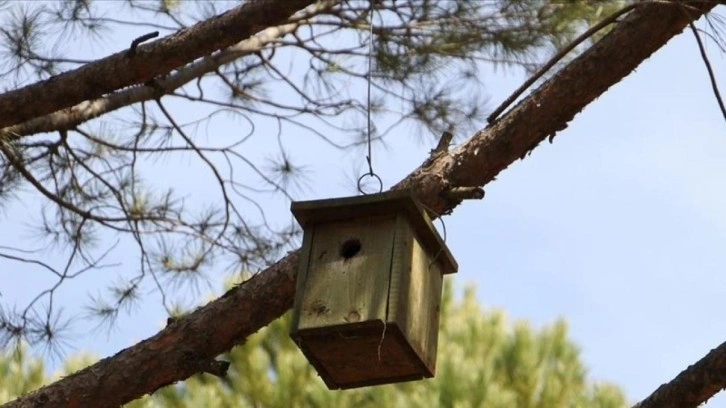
[
  {"x": 369, "y": 157},
  {"x": 370, "y": 79}
]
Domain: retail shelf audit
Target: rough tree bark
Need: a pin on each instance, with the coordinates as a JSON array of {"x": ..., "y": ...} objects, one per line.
[
  {"x": 694, "y": 386},
  {"x": 190, "y": 344},
  {"x": 73, "y": 116},
  {"x": 149, "y": 61}
]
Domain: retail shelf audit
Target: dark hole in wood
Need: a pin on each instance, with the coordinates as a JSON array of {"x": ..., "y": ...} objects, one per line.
[{"x": 350, "y": 248}]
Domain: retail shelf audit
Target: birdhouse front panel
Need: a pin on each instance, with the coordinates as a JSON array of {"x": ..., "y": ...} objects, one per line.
[{"x": 349, "y": 269}]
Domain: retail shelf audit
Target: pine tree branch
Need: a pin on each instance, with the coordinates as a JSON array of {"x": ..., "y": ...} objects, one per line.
[
  {"x": 215, "y": 328},
  {"x": 694, "y": 385},
  {"x": 149, "y": 61},
  {"x": 557, "y": 58},
  {"x": 553, "y": 105},
  {"x": 75, "y": 115}
]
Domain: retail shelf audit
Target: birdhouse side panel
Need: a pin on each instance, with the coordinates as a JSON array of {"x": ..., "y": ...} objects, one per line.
[
  {"x": 419, "y": 291},
  {"x": 302, "y": 276},
  {"x": 347, "y": 277}
]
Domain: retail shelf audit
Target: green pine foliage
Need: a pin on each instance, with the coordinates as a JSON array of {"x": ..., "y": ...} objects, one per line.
[
  {"x": 427, "y": 51},
  {"x": 20, "y": 373},
  {"x": 483, "y": 361}
]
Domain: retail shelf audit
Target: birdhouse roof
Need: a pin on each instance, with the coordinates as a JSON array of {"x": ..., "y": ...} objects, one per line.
[{"x": 309, "y": 213}]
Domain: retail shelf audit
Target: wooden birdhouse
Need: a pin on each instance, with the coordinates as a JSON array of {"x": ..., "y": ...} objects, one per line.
[{"x": 369, "y": 289}]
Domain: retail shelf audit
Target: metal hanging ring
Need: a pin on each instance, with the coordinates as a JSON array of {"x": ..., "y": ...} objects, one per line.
[{"x": 375, "y": 177}]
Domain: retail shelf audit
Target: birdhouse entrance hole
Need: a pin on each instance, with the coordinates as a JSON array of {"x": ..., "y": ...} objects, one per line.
[
  {"x": 369, "y": 283},
  {"x": 350, "y": 248}
]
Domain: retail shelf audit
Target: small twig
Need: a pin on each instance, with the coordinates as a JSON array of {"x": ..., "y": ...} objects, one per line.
[
  {"x": 556, "y": 58},
  {"x": 135, "y": 43},
  {"x": 444, "y": 143},
  {"x": 159, "y": 89},
  {"x": 706, "y": 62},
  {"x": 464, "y": 193},
  {"x": 17, "y": 164},
  {"x": 441, "y": 148},
  {"x": 216, "y": 367},
  {"x": 171, "y": 320}
]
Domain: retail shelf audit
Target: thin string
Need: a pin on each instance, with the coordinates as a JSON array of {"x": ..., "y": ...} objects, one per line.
[
  {"x": 370, "y": 75},
  {"x": 369, "y": 157}
]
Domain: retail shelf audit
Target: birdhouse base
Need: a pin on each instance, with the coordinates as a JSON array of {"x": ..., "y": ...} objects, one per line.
[{"x": 361, "y": 354}]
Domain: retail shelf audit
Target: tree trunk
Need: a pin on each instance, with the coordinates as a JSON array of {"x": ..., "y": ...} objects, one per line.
[{"x": 189, "y": 345}]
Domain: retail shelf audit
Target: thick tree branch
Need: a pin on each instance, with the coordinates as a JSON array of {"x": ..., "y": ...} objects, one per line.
[
  {"x": 692, "y": 387},
  {"x": 87, "y": 110},
  {"x": 553, "y": 105},
  {"x": 148, "y": 62},
  {"x": 227, "y": 321}
]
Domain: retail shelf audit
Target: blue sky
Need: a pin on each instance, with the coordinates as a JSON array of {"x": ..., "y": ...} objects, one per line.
[{"x": 619, "y": 227}]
